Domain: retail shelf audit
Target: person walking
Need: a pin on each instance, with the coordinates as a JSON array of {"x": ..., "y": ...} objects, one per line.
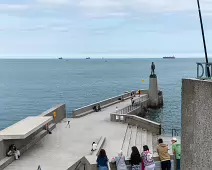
[
  {"x": 68, "y": 124},
  {"x": 176, "y": 149},
  {"x": 135, "y": 159},
  {"x": 164, "y": 156},
  {"x": 102, "y": 160},
  {"x": 147, "y": 158}
]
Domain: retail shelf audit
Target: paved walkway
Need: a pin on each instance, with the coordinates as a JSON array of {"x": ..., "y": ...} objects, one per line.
[{"x": 65, "y": 146}]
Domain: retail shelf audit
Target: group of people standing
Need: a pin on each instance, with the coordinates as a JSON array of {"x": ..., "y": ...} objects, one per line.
[{"x": 143, "y": 161}]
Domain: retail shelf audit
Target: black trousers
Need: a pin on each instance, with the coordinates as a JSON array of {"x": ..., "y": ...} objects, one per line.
[{"x": 166, "y": 165}]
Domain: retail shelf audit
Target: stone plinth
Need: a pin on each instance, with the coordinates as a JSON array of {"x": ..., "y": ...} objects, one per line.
[{"x": 153, "y": 91}]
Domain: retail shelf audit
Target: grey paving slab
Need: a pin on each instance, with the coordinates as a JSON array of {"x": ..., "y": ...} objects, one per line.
[{"x": 65, "y": 145}]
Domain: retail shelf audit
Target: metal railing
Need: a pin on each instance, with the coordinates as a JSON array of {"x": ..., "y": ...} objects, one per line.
[
  {"x": 173, "y": 132},
  {"x": 204, "y": 67},
  {"x": 137, "y": 103},
  {"x": 127, "y": 109}
]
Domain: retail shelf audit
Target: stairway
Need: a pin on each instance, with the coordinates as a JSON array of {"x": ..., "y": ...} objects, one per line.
[{"x": 136, "y": 136}]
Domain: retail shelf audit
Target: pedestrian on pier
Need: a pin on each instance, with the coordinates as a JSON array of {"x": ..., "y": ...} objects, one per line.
[
  {"x": 102, "y": 160},
  {"x": 164, "y": 156},
  {"x": 147, "y": 158},
  {"x": 176, "y": 149},
  {"x": 94, "y": 146},
  {"x": 68, "y": 124},
  {"x": 135, "y": 159},
  {"x": 120, "y": 161}
]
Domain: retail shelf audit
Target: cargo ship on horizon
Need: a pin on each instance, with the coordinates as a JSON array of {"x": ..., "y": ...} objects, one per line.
[{"x": 169, "y": 57}]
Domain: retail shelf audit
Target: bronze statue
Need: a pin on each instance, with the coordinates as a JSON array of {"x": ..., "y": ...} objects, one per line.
[{"x": 152, "y": 68}]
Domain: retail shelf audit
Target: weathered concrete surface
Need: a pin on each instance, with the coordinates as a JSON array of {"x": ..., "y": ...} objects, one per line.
[
  {"x": 8, "y": 160},
  {"x": 65, "y": 146},
  {"x": 196, "y": 124},
  {"x": 20, "y": 143},
  {"x": 60, "y": 111}
]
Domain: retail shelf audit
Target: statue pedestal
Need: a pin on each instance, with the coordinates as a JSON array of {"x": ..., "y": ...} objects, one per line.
[{"x": 153, "y": 91}]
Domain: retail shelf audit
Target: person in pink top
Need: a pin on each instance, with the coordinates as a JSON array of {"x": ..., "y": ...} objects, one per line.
[{"x": 147, "y": 158}]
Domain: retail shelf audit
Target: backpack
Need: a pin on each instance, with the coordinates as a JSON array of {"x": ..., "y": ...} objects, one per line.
[{"x": 149, "y": 157}]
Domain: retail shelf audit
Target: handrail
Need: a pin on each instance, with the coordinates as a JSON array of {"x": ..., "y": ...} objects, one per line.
[
  {"x": 130, "y": 108},
  {"x": 125, "y": 137},
  {"x": 129, "y": 141},
  {"x": 173, "y": 132},
  {"x": 78, "y": 165}
]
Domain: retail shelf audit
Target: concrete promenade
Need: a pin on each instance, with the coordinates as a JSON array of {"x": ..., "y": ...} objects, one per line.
[{"x": 65, "y": 145}]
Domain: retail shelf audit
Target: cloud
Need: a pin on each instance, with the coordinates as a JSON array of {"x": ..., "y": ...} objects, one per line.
[
  {"x": 121, "y": 8},
  {"x": 54, "y": 2},
  {"x": 13, "y": 7}
]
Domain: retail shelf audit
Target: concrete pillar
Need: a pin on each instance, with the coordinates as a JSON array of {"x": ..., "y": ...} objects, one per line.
[
  {"x": 196, "y": 141},
  {"x": 153, "y": 91}
]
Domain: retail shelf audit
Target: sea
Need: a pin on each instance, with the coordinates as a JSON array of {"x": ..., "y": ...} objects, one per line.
[{"x": 30, "y": 86}]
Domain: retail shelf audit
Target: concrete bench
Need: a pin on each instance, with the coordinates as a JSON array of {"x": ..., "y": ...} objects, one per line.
[
  {"x": 20, "y": 131},
  {"x": 25, "y": 127}
]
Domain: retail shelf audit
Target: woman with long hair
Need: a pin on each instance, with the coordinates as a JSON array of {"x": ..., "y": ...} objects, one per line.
[
  {"x": 147, "y": 158},
  {"x": 135, "y": 159},
  {"x": 102, "y": 160}
]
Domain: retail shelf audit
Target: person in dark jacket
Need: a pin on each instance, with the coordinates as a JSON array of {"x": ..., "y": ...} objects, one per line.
[
  {"x": 102, "y": 160},
  {"x": 135, "y": 159}
]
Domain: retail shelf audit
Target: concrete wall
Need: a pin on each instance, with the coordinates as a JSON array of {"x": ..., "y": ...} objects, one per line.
[
  {"x": 60, "y": 112},
  {"x": 138, "y": 121},
  {"x": 4, "y": 144},
  {"x": 196, "y": 124},
  {"x": 2, "y": 150},
  {"x": 103, "y": 103}
]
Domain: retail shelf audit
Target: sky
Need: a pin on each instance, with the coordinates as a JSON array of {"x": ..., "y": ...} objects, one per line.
[{"x": 103, "y": 28}]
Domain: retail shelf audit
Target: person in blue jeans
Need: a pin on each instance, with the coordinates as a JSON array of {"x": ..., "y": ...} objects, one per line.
[{"x": 102, "y": 160}]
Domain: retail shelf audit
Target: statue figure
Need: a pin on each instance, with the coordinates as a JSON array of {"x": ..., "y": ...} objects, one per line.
[{"x": 153, "y": 69}]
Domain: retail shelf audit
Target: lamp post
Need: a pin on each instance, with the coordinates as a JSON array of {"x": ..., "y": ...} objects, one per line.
[{"x": 203, "y": 38}]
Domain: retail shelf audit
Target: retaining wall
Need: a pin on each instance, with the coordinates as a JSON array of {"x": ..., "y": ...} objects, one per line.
[
  {"x": 138, "y": 121},
  {"x": 20, "y": 143},
  {"x": 105, "y": 103},
  {"x": 60, "y": 111}
]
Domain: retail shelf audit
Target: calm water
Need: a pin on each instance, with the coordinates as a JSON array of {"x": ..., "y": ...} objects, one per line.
[{"x": 29, "y": 87}]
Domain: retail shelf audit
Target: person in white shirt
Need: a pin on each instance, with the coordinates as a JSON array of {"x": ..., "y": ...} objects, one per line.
[{"x": 94, "y": 146}]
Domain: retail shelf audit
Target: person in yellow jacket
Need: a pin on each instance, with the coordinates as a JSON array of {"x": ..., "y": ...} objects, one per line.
[{"x": 164, "y": 156}]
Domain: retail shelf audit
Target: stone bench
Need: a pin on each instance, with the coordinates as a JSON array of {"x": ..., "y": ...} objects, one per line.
[{"x": 19, "y": 135}]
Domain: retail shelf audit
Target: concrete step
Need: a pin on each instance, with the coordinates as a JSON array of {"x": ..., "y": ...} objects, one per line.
[
  {"x": 132, "y": 139},
  {"x": 149, "y": 141},
  {"x": 144, "y": 137},
  {"x": 126, "y": 141},
  {"x": 139, "y": 140}
]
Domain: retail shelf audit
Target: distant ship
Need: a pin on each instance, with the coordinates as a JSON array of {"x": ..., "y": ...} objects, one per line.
[
  {"x": 60, "y": 58},
  {"x": 173, "y": 57},
  {"x": 87, "y": 58}
]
